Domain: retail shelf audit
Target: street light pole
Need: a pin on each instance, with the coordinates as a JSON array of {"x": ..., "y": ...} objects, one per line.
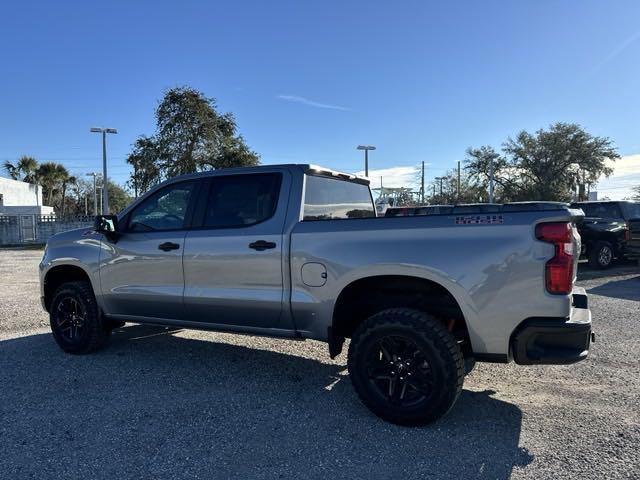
[
  {"x": 366, "y": 149},
  {"x": 105, "y": 181},
  {"x": 458, "y": 181},
  {"x": 422, "y": 185}
]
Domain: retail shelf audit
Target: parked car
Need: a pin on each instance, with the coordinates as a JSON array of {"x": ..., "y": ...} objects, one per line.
[
  {"x": 296, "y": 251},
  {"x": 607, "y": 229}
]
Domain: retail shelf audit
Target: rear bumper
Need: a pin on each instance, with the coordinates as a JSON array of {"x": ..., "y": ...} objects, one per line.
[{"x": 555, "y": 341}]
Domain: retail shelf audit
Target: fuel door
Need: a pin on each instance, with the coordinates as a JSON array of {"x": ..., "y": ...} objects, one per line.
[{"x": 314, "y": 274}]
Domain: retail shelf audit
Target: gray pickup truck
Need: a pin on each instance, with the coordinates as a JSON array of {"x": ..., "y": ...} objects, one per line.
[{"x": 296, "y": 251}]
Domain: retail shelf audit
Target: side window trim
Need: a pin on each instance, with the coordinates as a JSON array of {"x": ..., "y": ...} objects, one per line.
[
  {"x": 188, "y": 217},
  {"x": 200, "y": 210}
]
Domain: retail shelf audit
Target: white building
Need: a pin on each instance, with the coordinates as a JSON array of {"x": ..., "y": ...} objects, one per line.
[{"x": 21, "y": 198}]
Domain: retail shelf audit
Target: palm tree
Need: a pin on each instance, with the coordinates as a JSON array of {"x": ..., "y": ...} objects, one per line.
[
  {"x": 50, "y": 175},
  {"x": 28, "y": 167},
  {"x": 24, "y": 169},
  {"x": 11, "y": 169},
  {"x": 66, "y": 180}
]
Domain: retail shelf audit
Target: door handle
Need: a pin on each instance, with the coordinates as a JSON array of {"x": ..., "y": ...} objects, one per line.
[
  {"x": 261, "y": 245},
  {"x": 166, "y": 246}
]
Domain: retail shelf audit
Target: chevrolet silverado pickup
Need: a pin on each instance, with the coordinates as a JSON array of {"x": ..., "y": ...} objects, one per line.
[{"x": 297, "y": 251}]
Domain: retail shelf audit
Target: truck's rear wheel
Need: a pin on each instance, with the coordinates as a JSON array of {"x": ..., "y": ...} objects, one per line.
[
  {"x": 76, "y": 323},
  {"x": 601, "y": 255},
  {"x": 405, "y": 366}
]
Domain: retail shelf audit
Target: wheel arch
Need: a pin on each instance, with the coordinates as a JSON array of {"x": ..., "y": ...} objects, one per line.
[
  {"x": 59, "y": 274},
  {"x": 365, "y": 296}
]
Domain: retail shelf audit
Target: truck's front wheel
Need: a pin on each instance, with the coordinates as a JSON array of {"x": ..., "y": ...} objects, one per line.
[
  {"x": 76, "y": 323},
  {"x": 405, "y": 366}
]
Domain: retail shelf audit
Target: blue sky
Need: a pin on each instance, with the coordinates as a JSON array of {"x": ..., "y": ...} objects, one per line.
[{"x": 308, "y": 81}]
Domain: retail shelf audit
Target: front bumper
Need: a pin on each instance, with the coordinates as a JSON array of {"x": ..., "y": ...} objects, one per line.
[{"x": 555, "y": 341}]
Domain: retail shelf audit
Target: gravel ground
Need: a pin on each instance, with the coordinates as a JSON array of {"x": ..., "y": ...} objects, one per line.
[{"x": 182, "y": 404}]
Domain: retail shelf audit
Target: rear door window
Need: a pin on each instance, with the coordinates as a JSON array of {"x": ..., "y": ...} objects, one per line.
[{"x": 242, "y": 200}]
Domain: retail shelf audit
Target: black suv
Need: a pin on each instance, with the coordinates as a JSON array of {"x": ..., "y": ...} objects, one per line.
[{"x": 609, "y": 230}]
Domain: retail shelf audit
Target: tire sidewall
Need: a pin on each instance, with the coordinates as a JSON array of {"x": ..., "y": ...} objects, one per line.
[
  {"x": 443, "y": 369},
  {"x": 595, "y": 256},
  {"x": 607, "y": 247},
  {"x": 92, "y": 321}
]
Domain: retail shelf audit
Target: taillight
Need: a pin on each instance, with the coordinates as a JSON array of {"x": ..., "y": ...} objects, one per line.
[{"x": 558, "y": 270}]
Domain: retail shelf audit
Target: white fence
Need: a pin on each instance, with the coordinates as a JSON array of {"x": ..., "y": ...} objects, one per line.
[{"x": 36, "y": 229}]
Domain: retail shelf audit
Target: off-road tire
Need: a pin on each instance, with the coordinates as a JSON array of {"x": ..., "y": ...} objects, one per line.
[
  {"x": 94, "y": 331},
  {"x": 436, "y": 344},
  {"x": 601, "y": 255}
]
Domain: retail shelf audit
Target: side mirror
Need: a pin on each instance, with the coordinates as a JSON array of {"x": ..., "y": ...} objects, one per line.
[{"x": 107, "y": 224}]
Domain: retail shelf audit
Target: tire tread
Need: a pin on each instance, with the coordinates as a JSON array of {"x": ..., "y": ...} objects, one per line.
[
  {"x": 430, "y": 329},
  {"x": 98, "y": 333}
]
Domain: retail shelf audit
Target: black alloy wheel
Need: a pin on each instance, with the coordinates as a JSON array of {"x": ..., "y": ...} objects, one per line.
[
  {"x": 76, "y": 322},
  {"x": 399, "y": 370}
]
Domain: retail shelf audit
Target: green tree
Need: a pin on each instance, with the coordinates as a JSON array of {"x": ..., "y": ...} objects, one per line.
[
  {"x": 191, "y": 135},
  {"x": 65, "y": 180},
  {"x": 469, "y": 192},
  {"x": 119, "y": 198},
  {"x": 547, "y": 165},
  {"x": 24, "y": 169},
  {"x": 146, "y": 169},
  {"x": 507, "y": 187},
  {"x": 50, "y": 175}
]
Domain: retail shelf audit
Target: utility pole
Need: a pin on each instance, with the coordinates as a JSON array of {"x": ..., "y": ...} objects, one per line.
[
  {"x": 95, "y": 192},
  {"x": 490, "y": 179},
  {"x": 422, "y": 185},
  {"x": 440, "y": 179},
  {"x": 101, "y": 190},
  {"x": 366, "y": 149},
  {"x": 86, "y": 201},
  {"x": 458, "y": 181},
  {"x": 105, "y": 181}
]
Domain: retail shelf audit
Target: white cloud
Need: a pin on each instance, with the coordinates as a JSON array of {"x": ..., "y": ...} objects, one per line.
[
  {"x": 311, "y": 103},
  {"x": 626, "y": 175},
  {"x": 393, "y": 177}
]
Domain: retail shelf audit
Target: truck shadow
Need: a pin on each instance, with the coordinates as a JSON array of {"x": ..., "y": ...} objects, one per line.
[
  {"x": 155, "y": 405},
  {"x": 627, "y": 289}
]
